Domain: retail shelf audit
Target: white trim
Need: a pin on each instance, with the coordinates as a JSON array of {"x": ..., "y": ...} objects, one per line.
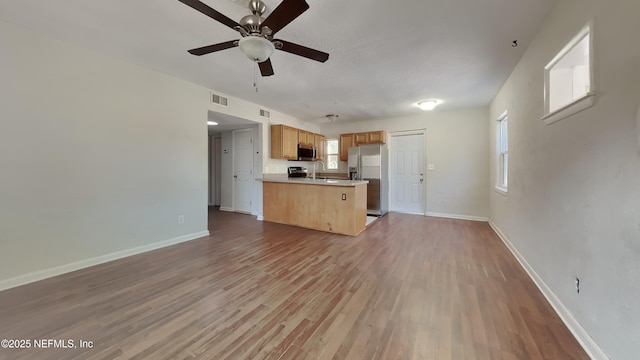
[
  {"x": 579, "y": 333},
  {"x": 63, "y": 269},
  {"x": 260, "y": 218},
  {"x": 455, "y": 216},
  {"x": 502, "y": 116},
  {"x": 584, "y": 31},
  {"x": 408, "y": 213},
  {"x": 584, "y": 101},
  {"x": 224, "y": 208},
  {"x": 409, "y": 132},
  {"x": 574, "y": 107},
  {"x": 501, "y": 186},
  {"x": 501, "y": 189}
]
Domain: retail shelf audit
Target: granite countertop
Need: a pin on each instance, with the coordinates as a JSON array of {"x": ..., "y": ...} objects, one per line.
[{"x": 283, "y": 178}]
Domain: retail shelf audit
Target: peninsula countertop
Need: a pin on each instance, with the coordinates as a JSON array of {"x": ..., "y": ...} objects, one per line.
[{"x": 309, "y": 181}]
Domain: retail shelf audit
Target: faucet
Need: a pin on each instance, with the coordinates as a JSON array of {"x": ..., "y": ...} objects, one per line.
[{"x": 314, "y": 167}]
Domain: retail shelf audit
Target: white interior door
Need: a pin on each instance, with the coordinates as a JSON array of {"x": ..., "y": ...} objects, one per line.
[
  {"x": 407, "y": 174},
  {"x": 242, "y": 170},
  {"x": 217, "y": 168}
]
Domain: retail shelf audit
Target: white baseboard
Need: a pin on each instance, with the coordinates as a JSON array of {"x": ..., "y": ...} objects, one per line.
[
  {"x": 590, "y": 347},
  {"x": 260, "y": 218},
  {"x": 63, "y": 269},
  {"x": 461, "y": 217},
  {"x": 224, "y": 208}
]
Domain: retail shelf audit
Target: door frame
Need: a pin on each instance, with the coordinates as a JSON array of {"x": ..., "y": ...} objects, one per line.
[
  {"x": 422, "y": 132},
  {"x": 233, "y": 167}
]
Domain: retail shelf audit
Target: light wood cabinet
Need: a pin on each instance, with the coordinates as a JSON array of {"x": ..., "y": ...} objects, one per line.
[
  {"x": 284, "y": 142},
  {"x": 336, "y": 209},
  {"x": 319, "y": 143},
  {"x": 377, "y": 137},
  {"x": 370, "y": 137},
  {"x": 346, "y": 141},
  {"x": 306, "y": 138},
  {"x": 363, "y": 138}
]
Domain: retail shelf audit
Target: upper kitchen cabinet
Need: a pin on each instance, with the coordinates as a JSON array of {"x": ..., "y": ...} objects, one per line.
[
  {"x": 306, "y": 138},
  {"x": 363, "y": 138},
  {"x": 284, "y": 142},
  {"x": 377, "y": 137},
  {"x": 346, "y": 141},
  {"x": 319, "y": 143},
  {"x": 371, "y": 137}
]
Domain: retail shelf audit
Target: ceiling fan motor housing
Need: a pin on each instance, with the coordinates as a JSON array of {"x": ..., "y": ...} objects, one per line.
[
  {"x": 257, "y": 7},
  {"x": 252, "y": 23}
]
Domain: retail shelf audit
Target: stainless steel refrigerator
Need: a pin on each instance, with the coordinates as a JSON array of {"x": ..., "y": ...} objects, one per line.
[{"x": 371, "y": 163}]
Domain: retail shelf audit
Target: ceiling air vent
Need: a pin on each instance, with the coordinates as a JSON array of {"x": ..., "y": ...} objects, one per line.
[
  {"x": 265, "y": 113},
  {"x": 217, "y": 99}
]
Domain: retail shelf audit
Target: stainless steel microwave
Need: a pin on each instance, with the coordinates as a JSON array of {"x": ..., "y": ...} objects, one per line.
[{"x": 306, "y": 153}]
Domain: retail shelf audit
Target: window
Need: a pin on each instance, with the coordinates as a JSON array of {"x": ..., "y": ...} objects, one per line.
[
  {"x": 569, "y": 78},
  {"x": 333, "y": 150},
  {"x": 502, "y": 147}
]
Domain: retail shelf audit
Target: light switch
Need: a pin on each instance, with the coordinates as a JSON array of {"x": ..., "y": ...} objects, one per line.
[{"x": 431, "y": 167}]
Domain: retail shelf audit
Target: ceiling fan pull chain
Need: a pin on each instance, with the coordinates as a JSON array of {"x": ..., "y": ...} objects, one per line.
[{"x": 255, "y": 67}]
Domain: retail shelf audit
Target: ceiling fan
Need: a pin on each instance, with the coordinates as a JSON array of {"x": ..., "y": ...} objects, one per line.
[{"x": 257, "y": 41}]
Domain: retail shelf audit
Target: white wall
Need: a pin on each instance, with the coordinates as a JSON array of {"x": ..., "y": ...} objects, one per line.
[
  {"x": 97, "y": 156},
  {"x": 573, "y": 205},
  {"x": 457, "y": 144}
]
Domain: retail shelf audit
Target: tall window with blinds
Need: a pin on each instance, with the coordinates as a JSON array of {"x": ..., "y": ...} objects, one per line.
[{"x": 502, "y": 147}]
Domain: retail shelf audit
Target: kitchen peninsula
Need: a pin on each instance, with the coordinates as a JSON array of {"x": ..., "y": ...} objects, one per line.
[{"x": 337, "y": 206}]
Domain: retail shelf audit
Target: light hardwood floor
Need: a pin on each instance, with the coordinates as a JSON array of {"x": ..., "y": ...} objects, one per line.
[{"x": 408, "y": 287}]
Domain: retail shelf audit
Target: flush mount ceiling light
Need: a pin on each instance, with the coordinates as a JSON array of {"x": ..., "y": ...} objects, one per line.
[
  {"x": 428, "y": 104},
  {"x": 212, "y": 123}
]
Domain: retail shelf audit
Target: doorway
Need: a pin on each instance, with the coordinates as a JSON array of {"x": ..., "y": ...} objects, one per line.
[
  {"x": 407, "y": 180},
  {"x": 242, "y": 170},
  {"x": 221, "y": 159}
]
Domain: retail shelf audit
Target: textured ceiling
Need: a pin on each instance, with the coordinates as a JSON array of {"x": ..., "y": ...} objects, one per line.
[{"x": 384, "y": 55}]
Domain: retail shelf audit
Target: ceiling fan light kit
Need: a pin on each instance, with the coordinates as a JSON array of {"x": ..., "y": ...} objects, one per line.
[
  {"x": 257, "y": 41},
  {"x": 256, "y": 48}
]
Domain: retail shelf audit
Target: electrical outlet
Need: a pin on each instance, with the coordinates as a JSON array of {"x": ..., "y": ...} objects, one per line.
[
  {"x": 344, "y": 196},
  {"x": 180, "y": 219},
  {"x": 577, "y": 285}
]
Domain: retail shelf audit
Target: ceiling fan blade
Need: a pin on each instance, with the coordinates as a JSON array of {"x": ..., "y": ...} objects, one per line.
[
  {"x": 212, "y": 48},
  {"x": 285, "y": 13},
  {"x": 215, "y": 15},
  {"x": 265, "y": 68},
  {"x": 303, "y": 51}
]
